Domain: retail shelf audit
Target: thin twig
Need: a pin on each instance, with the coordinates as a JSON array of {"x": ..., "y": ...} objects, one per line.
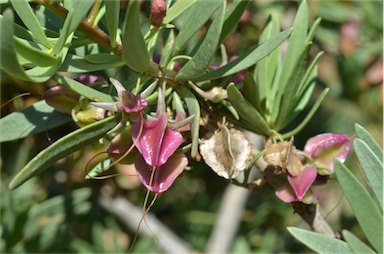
[{"x": 131, "y": 215}]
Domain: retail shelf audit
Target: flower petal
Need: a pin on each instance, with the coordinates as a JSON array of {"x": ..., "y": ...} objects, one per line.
[
  {"x": 164, "y": 176},
  {"x": 324, "y": 148},
  {"x": 286, "y": 194},
  {"x": 301, "y": 183}
]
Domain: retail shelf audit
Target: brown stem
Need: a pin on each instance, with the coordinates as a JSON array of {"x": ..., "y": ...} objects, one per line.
[{"x": 94, "y": 33}]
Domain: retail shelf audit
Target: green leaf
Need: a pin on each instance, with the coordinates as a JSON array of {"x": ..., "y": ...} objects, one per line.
[
  {"x": 296, "y": 48},
  {"x": 99, "y": 169},
  {"x": 251, "y": 91},
  {"x": 193, "y": 109},
  {"x": 112, "y": 16},
  {"x": 77, "y": 13},
  {"x": 34, "y": 119},
  {"x": 35, "y": 55},
  {"x": 63, "y": 147},
  {"x": 246, "y": 111},
  {"x": 313, "y": 110},
  {"x": 195, "y": 17},
  {"x": 319, "y": 242},
  {"x": 102, "y": 58},
  {"x": 365, "y": 209},
  {"x": 372, "y": 166},
  {"x": 177, "y": 9},
  {"x": 288, "y": 96},
  {"x": 25, "y": 12},
  {"x": 86, "y": 91},
  {"x": 364, "y": 135},
  {"x": 246, "y": 60},
  {"x": 266, "y": 68},
  {"x": 355, "y": 244},
  {"x": 77, "y": 64},
  {"x": 135, "y": 51},
  {"x": 200, "y": 61},
  {"x": 232, "y": 16}
]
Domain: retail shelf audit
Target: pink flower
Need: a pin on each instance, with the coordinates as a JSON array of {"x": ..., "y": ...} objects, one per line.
[
  {"x": 157, "y": 143},
  {"x": 324, "y": 148}
]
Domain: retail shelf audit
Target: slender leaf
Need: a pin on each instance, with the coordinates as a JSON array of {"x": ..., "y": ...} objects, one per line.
[
  {"x": 308, "y": 117},
  {"x": 193, "y": 109},
  {"x": 251, "y": 92},
  {"x": 266, "y": 68},
  {"x": 289, "y": 99},
  {"x": 232, "y": 16},
  {"x": 246, "y": 111},
  {"x": 86, "y": 91},
  {"x": 99, "y": 169},
  {"x": 248, "y": 59},
  {"x": 200, "y": 61},
  {"x": 372, "y": 166},
  {"x": 25, "y": 12},
  {"x": 364, "y": 135},
  {"x": 77, "y": 13},
  {"x": 319, "y": 242},
  {"x": 77, "y": 64},
  {"x": 178, "y": 8},
  {"x": 103, "y": 58},
  {"x": 367, "y": 212},
  {"x": 355, "y": 244},
  {"x": 112, "y": 17},
  {"x": 62, "y": 148},
  {"x": 196, "y": 17},
  {"x": 34, "y": 119},
  {"x": 35, "y": 55},
  {"x": 135, "y": 50}
]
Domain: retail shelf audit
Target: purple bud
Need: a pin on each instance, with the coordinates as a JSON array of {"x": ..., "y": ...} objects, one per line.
[
  {"x": 158, "y": 12},
  {"x": 61, "y": 98}
]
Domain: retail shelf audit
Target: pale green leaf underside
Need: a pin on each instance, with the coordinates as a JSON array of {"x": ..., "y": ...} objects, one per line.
[{"x": 355, "y": 244}]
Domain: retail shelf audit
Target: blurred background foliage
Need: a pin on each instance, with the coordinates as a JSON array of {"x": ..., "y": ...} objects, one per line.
[{"x": 59, "y": 211}]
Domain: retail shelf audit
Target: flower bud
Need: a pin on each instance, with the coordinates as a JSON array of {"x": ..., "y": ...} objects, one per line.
[
  {"x": 87, "y": 114},
  {"x": 158, "y": 12},
  {"x": 61, "y": 98}
]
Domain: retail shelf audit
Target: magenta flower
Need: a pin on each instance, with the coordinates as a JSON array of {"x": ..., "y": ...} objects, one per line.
[
  {"x": 128, "y": 102},
  {"x": 324, "y": 148},
  {"x": 156, "y": 142},
  {"x": 164, "y": 176}
]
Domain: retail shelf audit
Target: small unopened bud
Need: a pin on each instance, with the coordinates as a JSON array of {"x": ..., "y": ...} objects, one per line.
[
  {"x": 86, "y": 114},
  {"x": 61, "y": 98},
  {"x": 158, "y": 12}
]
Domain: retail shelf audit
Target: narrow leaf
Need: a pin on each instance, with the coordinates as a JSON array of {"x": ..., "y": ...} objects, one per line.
[
  {"x": 372, "y": 166},
  {"x": 246, "y": 111},
  {"x": 364, "y": 135},
  {"x": 34, "y": 119},
  {"x": 37, "y": 56},
  {"x": 193, "y": 109},
  {"x": 72, "y": 21},
  {"x": 251, "y": 92},
  {"x": 25, "y": 12},
  {"x": 62, "y": 148},
  {"x": 232, "y": 16},
  {"x": 112, "y": 16},
  {"x": 248, "y": 59},
  {"x": 200, "y": 61},
  {"x": 355, "y": 244},
  {"x": 86, "y": 91},
  {"x": 178, "y": 8},
  {"x": 364, "y": 207},
  {"x": 319, "y": 242},
  {"x": 135, "y": 51},
  {"x": 77, "y": 64},
  {"x": 102, "y": 58},
  {"x": 196, "y": 17}
]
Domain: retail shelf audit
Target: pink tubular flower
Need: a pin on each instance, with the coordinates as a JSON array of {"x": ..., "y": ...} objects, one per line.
[
  {"x": 324, "y": 148},
  {"x": 156, "y": 142}
]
